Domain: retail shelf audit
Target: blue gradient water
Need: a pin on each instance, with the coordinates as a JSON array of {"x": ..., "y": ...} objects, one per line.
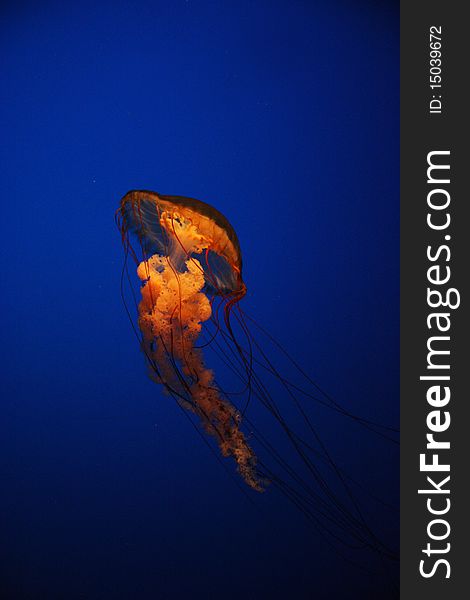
[{"x": 285, "y": 117}]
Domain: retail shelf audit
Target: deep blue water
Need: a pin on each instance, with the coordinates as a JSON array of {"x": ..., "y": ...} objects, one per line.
[{"x": 283, "y": 115}]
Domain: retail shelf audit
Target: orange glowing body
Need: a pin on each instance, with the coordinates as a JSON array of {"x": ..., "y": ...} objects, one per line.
[{"x": 175, "y": 285}]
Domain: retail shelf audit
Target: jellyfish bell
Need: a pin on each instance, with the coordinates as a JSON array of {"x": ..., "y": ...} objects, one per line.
[{"x": 180, "y": 227}]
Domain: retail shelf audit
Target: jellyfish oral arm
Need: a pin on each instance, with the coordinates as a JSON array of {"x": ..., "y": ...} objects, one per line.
[{"x": 171, "y": 314}]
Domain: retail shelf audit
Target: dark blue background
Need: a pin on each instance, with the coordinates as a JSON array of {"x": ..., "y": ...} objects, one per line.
[{"x": 283, "y": 115}]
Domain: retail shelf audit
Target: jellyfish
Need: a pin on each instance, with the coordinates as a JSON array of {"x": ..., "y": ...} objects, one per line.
[
  {"x": 189, "y": 270},
  {"x": 177, "y": 236}
]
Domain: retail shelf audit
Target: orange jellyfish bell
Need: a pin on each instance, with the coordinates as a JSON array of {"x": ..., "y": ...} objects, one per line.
[
  {"x": 187, "y": 254},
  {"x": 179, "y": 227}
]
